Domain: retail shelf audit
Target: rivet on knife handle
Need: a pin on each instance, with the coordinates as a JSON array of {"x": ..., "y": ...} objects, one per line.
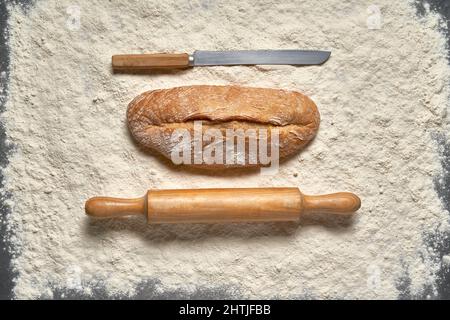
[
  {"x": 150, "y": 61},
  {"x": 223, "y": 205}
]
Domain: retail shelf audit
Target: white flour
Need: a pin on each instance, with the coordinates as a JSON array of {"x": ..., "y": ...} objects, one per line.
[{"x": 381, "y": 96}]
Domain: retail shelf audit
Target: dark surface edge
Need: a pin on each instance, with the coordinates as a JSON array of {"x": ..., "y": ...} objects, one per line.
[{"x": 6, "y": 275}]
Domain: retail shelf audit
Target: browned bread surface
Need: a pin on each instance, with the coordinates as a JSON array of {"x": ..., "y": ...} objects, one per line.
[{"x": 154, "y": 116}]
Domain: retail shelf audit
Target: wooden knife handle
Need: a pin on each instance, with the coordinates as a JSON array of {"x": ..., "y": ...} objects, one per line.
[
  {"x": 150, "y": 61},
  {"x": 223, "y": 205}
]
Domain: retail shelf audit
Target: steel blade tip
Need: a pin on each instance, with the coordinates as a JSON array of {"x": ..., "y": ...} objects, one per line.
[{"x": 325, "y": 56}]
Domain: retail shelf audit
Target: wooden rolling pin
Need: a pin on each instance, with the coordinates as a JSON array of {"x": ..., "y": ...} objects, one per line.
[{"x": 223, "y": 205}]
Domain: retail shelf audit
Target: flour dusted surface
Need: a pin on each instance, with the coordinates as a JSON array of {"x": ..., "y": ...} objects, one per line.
[{"x": 381, "y": 96}]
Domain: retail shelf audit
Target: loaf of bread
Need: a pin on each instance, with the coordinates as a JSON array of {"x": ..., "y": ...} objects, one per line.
[{"x": 164, "y": 120}]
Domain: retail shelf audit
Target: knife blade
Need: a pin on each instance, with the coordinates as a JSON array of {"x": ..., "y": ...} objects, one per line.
[
  {"x": 260, "y": 57},
  {"x": 219, "y": 58}
]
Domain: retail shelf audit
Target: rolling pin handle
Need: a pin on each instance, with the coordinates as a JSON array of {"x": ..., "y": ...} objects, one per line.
[
  {"x": 105, "y": 207},
  {"x": 336, "y": 203}
]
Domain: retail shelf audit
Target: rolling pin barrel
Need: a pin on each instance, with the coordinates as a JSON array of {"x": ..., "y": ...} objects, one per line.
[{"x": 223, "y": 205}]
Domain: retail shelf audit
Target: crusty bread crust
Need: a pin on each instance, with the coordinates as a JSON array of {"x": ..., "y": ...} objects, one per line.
[{"x": 154, "y": 115}]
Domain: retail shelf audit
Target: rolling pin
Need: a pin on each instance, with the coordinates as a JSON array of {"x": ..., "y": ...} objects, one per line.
[{"x": 223, "y": 205}]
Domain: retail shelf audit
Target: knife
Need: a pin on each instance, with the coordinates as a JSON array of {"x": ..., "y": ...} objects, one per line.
[{"x": 218, "y": 58}]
